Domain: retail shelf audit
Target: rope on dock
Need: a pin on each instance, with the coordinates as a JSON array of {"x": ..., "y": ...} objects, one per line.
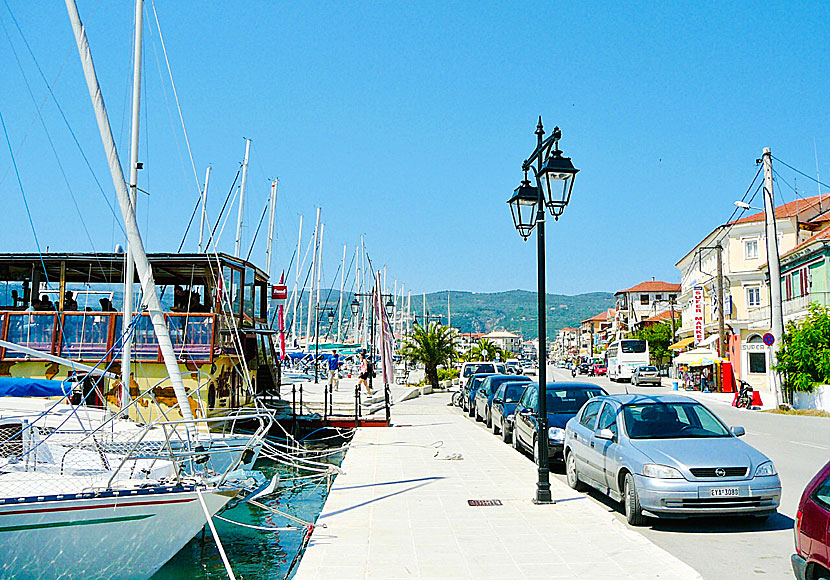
[
  {"x": 216, "y": 539},
  {"x": 263, "y": 528}
]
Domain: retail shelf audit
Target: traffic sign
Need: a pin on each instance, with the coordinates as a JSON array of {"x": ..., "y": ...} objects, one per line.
[{"x": 769, "y": 339}]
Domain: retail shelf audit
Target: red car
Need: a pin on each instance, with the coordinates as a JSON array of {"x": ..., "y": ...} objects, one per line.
[
  {"x": 812, "y": 530},
  {"x": 599, "y": 369}
]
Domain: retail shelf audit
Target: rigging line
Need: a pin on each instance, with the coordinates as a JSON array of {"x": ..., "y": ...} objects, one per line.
[
  {"x": 256, "y": 233},
  {"x": 49, "y": 138},
  {"x": 189, "y": 223},
  {"x": 813, "y": 179},
  {"x": 286, "y": 274},
  {"x": 294, "y": 316},
  {"x": 65, "y": 120},
  {"x": 176, "y": 95},
  {"x": 224, "y": 205}
]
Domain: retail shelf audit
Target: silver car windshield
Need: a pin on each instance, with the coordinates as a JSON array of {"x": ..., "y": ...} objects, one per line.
[{"x": 671, "y": 421}]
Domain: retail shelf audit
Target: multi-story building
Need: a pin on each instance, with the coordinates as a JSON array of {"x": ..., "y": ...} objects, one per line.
[
  {"x": 642, "y": 301},
  {"x": 505, "y": 340},
  {"x": 746, "y": 293},
  {"x": 594, "y": 332},
  {"x": 567, "y": 343}
]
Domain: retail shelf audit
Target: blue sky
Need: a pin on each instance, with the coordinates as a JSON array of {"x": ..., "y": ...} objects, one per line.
[{"x": 408, "y": 122}]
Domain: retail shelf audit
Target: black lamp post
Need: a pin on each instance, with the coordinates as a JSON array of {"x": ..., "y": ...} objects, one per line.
[
  {"x": 554, "y": 176},
  {"x": 389, "y": 307},
  {"x": 330, "y": 317}
]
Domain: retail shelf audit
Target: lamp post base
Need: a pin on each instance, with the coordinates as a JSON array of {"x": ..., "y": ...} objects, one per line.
[{"x": 543, "y": 495}]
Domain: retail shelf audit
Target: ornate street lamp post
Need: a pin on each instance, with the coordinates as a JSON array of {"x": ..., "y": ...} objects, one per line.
[{"x": 554, "y": 176}]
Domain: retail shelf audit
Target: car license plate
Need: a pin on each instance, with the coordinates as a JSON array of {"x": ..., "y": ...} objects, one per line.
[{"x": 725, "y": 492}]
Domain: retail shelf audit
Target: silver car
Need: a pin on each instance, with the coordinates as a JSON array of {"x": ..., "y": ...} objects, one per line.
[
  {"x": 667, "y": 456},
  {"x": 645, "y": 375}
]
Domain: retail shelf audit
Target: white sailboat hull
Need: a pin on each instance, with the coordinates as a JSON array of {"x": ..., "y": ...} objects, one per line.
[{"x": 128, "y": 534}]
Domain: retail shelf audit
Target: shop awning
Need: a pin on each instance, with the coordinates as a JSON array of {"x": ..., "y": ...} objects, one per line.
[
  {"x": 682, "y": 343},
  {"x": 697, "y": 358},
  {"x": 709, "y": 340}
]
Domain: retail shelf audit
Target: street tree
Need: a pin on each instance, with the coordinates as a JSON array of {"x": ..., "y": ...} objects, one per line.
[
  {"x": 433, "y": 346},
  {"x": 804, "y": 356},
  {"x": 659, "y": 338},
  {"x": 487, "y": 350}
]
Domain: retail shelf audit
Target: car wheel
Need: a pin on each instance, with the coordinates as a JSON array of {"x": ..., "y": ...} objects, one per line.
[
  {"x": 488, "y": 420},
  {"x": 536, "y": 451},
  {"x": 471, "y": 411},
  {"x": 493, "y": 427},
  {"x": 633, "y": 509},
  {"x": 517, "y": 445},
  {"x": 505, "y": 434},
  {"x": 571, "y": 473}
]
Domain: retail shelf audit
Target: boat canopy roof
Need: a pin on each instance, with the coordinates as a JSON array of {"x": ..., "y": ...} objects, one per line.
[
  {"x": 25, "y": 387},
  {"x": 109, "y": 267}
]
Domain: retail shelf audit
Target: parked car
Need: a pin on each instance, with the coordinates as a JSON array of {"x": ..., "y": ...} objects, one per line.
[
  {"x": 583, "y": 368},
  {"x": 513, "y": 366},
  {"x": 470, "y": 389},
  {"x": 484, "y": 396},
  {"x": 645, "y": 375},
  {"x": 599, "y": 369},
  {"x": 811, "y": 560},
  {"x": 563, "y": 402},
  {"x": 668, "y": 456},
  {"x": 502, "y": 410},
  {"x": 469, "y": 369}
]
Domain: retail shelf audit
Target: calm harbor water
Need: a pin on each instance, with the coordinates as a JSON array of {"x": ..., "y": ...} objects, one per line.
[{"x": 254, "y": 553}]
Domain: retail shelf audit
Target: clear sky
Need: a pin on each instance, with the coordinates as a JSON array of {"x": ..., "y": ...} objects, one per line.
[{"x": 408, "y": 122}]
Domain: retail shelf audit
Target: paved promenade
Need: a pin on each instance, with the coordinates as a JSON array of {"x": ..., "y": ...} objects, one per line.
[{"x": 400, "y": 510}]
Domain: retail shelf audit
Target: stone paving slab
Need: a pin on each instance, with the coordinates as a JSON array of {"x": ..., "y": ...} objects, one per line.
[{"x": 400, "y": 511}]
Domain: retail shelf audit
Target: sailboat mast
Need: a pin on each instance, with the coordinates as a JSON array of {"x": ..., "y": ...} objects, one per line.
[
  {"x": 313, "y": 278},
  {"x": 129, "y": 265},
  {"x": 294, "y": 317},
  {"x": 242, "y": 185},
  {"x": 340, "y": 300},
  {"x": 204, "y": 210},
  {"x": 145, "y": 272},
  {"x": 272, "y": 214}
]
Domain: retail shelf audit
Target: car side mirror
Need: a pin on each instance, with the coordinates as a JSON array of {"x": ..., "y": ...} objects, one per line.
[
  {"x": 498, "y": 401},
  {"x": 738, "y": 431},
  {"x": 526, "y": 411},
  {"x": 606, "y": 434}
]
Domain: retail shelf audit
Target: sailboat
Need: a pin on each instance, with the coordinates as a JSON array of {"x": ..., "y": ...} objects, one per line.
[{"x": 99, "y": 502}]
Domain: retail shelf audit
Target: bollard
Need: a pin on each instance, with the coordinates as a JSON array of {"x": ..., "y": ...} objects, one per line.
[
  {"x": 356, "y": 404},
  {"x": 386, "y": 396},
  {"x": 325, "y": 402}
]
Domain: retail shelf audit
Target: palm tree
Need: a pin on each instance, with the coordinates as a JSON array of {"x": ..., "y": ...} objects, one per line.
[
  {"x": 486, "y": 350},
  {"x": 433, "y": 346}
]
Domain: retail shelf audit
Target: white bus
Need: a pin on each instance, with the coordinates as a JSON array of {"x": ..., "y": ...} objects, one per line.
[{"x": 624, "y": 356}]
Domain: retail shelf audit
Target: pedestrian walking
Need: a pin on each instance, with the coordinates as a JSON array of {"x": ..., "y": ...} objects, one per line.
[
  {"x": 334, "y": 370},
  {"x": 364, "y": 373}
]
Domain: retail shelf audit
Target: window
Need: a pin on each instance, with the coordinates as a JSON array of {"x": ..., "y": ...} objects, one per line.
[
  {"x": 757, "y": 362},
  {"x": 658, "y": 297},
  {"x": 822, "y": 493},
  {"x": 751, "y": 249},
  {"x": 589, "y": 414},
  {"x": 608, "y": 419},
  {"x": 672, "y": 297},
  {"x": 753, "y": 296},
  {"x": 633, "y": 346},
  {"x": 644, "y": 299}
]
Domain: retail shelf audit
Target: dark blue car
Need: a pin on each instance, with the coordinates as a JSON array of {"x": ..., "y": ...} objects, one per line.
[
  {"x": 504, "y": 404},
  {"x": 564, "y": 400},
  {"x": 484, "y": 397},
  {"x": 470, "y": 389}
]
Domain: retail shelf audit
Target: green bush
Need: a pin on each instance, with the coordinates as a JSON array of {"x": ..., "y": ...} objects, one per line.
[
  {"x": 447, "y": 374},
  {"x": 804, "y": 357}
]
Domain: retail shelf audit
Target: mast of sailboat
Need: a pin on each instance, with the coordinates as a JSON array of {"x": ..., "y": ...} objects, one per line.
[
  {"x": 145, "y": 272},
  {"x": 355, "y": 337},
  {"x": 129, "y": 262},
  {"x": 204, "y": 210},
  {"x": 449, "y": 320},
  {"x": 340, "y": 299},
  {"x": 409, "y": 312},
  {"x": 295, "y": 296},
  {"x": 313, "y": 278},
  {"x": 242, "y": 184},
  {"x": 272, "y": 214}
]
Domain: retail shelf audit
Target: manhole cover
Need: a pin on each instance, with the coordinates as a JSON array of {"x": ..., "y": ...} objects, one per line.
[{"x": 483, "y": 502}]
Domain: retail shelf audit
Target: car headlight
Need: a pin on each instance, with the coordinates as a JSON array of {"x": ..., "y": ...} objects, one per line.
[
  {"x": 661, "y": 471},
  {"x": 766, "y": 468},
  {"x": 556, "y": 434}
]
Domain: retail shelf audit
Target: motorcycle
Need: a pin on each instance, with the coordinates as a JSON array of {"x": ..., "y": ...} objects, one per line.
[
  {"x": 744, "y": 398},
  {"x": 573, "y": 371}
]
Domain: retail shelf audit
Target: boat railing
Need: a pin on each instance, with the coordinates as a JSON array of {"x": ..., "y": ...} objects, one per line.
[{"x": 91, "y": 335}]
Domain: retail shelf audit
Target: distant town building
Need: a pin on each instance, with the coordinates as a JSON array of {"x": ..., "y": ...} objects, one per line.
[
  {"x": 640, "y": 302},
  {"x": 505, "y": 340}
]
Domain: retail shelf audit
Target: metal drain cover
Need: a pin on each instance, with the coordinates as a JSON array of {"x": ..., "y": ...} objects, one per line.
[{"x": 483, "y": 502}]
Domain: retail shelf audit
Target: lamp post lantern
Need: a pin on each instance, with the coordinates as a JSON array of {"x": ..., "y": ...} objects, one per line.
[{"x": 554, "y": 176}]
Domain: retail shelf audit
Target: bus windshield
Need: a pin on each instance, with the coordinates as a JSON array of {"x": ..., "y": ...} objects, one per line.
[{"x": 633, "y": 346}]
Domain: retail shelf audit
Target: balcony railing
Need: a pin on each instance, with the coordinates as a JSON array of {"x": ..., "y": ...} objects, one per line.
[{"x": 89, "y": 336}]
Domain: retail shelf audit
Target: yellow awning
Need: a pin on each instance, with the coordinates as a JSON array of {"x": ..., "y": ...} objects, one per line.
[{"x": 682, "y": 343}]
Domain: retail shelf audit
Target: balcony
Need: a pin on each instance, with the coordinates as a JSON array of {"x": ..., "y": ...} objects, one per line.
[
  {"x": 93, "y": 336},
  {"x": 795, "y": 308}
]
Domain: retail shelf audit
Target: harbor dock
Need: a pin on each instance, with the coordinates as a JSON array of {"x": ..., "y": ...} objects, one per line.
[{"x": 435, "y": 496}]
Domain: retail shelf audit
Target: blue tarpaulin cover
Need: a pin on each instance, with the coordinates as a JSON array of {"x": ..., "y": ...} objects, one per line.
[{"x": 23, "y": 387}]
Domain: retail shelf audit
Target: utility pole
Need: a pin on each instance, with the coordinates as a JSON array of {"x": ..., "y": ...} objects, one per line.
[
  {"x": 774, "y": 261},
  {"x": 721, "y": 309}
]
